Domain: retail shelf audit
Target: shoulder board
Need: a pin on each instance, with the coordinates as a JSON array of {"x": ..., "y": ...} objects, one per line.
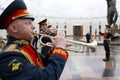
[{"x": 11, "y": 47}]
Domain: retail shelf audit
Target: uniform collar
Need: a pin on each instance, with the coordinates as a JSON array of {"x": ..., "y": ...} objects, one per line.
[{"x": 13, "y": 40}]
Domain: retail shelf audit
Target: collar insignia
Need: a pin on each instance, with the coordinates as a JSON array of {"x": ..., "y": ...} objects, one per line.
[{"x": 21, "y": 42}]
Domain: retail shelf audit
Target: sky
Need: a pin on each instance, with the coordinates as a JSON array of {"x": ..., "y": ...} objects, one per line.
[
  {"x": 66, "y": 8},
  {"x": 68, "y": 11},
  {"x": 70, "y": 8}
]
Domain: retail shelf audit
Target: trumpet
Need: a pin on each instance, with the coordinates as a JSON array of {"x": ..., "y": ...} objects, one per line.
[{"x": 92, "y": 45}]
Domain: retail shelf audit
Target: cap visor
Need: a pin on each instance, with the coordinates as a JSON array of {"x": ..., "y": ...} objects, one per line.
[{"x": 27, "y": 17}]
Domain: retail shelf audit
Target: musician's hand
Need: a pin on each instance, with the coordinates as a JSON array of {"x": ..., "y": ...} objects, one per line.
[
  {"x": 53, "y": 30},
  {"x": 59, "y": 41}
]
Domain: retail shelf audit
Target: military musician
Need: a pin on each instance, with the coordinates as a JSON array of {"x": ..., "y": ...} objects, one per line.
[{"x": 19, "y": 60}]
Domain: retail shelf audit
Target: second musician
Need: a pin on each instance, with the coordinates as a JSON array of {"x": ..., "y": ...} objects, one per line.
[{"x": 44, "y": 29}]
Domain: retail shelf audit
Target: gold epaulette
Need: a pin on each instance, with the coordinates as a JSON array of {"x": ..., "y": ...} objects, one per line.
[{"x": 11, "y": 47}]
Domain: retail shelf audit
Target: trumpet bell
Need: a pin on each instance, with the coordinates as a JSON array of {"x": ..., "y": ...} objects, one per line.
[{"x": 92, "y": 45}]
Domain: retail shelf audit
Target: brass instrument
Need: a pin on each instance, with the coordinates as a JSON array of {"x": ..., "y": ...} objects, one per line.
[
  {"x": 58, "y": 29},
  {"x": 92, "y": 45}
]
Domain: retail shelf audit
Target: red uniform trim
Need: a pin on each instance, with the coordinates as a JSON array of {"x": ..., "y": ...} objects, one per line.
[{"x": 32, "y": 55}]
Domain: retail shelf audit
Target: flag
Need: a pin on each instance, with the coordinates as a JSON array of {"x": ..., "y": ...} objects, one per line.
[{"x": 95, "y": 33}]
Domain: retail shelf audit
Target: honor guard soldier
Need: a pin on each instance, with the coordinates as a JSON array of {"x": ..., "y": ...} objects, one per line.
[
  {"x": 18, "y": 59},
  {"x": 106, "y": 42}
]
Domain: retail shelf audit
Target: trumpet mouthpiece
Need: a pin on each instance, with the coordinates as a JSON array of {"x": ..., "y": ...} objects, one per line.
[{"x": 34, "y": 33}]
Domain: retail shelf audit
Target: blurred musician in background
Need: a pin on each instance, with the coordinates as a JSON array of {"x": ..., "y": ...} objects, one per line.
[{"x": 47, "y": 30}]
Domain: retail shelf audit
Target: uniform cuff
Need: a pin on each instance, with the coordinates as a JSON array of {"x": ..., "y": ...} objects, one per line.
[{"x": 60, "y": 52}]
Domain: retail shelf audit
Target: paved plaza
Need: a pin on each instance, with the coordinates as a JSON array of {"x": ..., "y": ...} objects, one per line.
[{"x": 89, "y": 66}]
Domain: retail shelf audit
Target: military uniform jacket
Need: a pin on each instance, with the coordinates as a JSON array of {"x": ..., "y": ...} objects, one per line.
[
  {"x": 20, "y": 61},
  {"x": 107, "y": 37}
]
